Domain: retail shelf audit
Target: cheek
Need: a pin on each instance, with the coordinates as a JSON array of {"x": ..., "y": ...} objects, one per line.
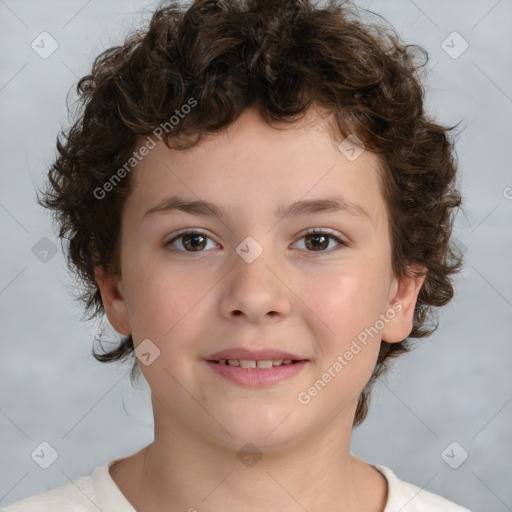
[
  {"x": 164, "y": 299},
  {"x": 346, "y": 301},
  {"x": 348, "y": 305},
  {"x": 166, "y": 308}
]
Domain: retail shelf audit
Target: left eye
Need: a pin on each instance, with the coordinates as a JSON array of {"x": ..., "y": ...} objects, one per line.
[{"x": 319, "y": 240}]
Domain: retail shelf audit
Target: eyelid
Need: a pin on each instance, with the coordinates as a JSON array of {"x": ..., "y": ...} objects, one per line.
[
  {"x": 185, "y": 231},
  {"x": 327, "y": 231}
]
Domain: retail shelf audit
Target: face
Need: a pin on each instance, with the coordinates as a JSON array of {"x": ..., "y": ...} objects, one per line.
[{"x": 252, "y": 276}]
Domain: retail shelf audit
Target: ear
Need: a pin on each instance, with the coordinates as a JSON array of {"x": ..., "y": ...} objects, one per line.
[
  {"x": 402, "y": 299},
  {"x": 113, "y": 301}
]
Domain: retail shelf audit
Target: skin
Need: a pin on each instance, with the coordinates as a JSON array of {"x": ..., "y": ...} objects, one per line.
[{"x": 293, "y": 297}]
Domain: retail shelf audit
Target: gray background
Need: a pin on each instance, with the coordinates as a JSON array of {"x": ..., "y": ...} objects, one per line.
[{"x": 456, "y": 386}]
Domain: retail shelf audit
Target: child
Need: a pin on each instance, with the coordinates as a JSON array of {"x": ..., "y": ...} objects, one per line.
[{"x": 257, "y": 201}]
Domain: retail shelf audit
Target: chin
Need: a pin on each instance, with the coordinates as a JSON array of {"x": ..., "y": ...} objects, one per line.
[{"x": 268, "y": 432}]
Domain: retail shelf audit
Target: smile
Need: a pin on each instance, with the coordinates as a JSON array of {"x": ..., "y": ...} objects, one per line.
[
  {"x": 256, "y": 373},
  {"x": 248, "y": 363}
]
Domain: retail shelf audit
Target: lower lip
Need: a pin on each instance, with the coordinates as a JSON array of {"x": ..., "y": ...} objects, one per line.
[{"x": 257, "y": 377}]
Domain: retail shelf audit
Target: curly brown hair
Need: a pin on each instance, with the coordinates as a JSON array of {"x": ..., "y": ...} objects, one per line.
[{"x": 282, "y": 56}]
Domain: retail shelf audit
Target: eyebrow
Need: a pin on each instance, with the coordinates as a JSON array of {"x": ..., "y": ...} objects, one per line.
[{"x": 304, "y": 207}]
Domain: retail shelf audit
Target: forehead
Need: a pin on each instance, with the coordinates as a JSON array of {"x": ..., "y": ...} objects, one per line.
[{"x": 252, "y": 168}]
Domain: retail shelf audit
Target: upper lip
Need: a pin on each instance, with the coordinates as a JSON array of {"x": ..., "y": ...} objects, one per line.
[{"x": 253, "y": 355}]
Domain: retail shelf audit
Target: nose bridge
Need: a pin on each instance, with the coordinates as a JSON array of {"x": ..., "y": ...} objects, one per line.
[
  {"x": 251, "y": 265},
  {"x": 254, "y": 288}
]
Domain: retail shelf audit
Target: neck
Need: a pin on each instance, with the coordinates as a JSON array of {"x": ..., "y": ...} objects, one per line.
[{"x": 181, "y": 470}]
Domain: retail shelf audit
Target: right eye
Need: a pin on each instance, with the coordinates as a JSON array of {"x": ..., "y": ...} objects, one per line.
[{"x": 190, "y": 240}]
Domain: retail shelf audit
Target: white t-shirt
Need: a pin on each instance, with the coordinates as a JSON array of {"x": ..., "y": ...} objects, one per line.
[{"x": 100, "y": 492}]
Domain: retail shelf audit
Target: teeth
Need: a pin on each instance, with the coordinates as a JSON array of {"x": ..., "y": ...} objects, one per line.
[{"x": 246, "y": 363}]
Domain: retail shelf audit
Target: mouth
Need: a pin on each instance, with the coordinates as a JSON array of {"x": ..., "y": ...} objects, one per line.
[
  {"x": 256, "y": 373},
  {"x": 260, "y": 364},
  {"x": 241, "y": 354}
]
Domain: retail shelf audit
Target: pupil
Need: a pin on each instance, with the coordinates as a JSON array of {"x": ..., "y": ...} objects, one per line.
[
  {"x": 316, "y": 244},
  {"x": 194, "y": 245}
]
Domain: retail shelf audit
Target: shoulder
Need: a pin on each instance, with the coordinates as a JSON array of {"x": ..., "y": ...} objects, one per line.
[
  {"x": 411, "y": 498},
  {"x": 85, "y": 494},
  {"x": 67, "y": 497}
]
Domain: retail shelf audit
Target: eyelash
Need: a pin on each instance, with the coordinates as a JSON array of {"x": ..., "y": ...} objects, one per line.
[{"x": 309, "y": 232}]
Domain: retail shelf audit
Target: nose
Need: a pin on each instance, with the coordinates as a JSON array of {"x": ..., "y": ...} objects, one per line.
[{"x": 255, "y": 291}]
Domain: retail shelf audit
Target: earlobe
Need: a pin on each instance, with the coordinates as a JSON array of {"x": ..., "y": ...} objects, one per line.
[
  {"x": 402, "y": 303},
  {"x": 113, "y": 300}
]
